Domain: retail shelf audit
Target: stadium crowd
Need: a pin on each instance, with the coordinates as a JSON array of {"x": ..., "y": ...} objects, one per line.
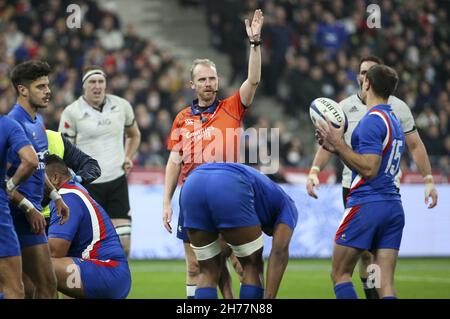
[
  {"x": 313, "y": 48},
  {"x": 310, "y": 49}
]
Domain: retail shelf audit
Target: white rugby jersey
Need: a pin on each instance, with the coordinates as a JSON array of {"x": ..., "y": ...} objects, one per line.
[
  {"x": 355, "y": 109},
  {"x": 99, "y": 134}
]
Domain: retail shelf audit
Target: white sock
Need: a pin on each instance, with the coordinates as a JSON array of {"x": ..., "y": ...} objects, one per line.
[{"x": 190, "y": 291}]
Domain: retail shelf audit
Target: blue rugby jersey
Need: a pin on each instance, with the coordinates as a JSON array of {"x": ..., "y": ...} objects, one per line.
[
  {"x": 33, "y": 188},
  {"x": 89, "y": 228},
  {"x": 379, "y": 132}
]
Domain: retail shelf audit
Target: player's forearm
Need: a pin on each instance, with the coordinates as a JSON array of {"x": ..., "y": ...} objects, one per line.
[
  {"x": 276, "y": 266},
  {"x": 48, "y": 186},
  {"x": 254, "y": 65},
  {"x": 16, "y": 198},
  {"x": 248, "y": 88},
  {"x": 365, "y": 166},
  {"x": 170, "y": 180},
  {"x": 321, "y": 158},
  {"x": 132, "y": 145},
  {"x": 420, "y": 157}
]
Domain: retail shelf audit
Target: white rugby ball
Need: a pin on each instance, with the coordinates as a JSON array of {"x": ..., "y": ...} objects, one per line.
[{"x": 322, "y": 107}]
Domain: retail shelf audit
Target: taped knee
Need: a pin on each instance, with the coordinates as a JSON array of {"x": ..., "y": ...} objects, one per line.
[
  {"x": 248, "y": 248},
  {"x": 123, "y": 230},
  {"x": 207, "y": 252}
]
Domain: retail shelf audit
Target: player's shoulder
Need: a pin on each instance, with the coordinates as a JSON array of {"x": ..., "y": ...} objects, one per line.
[
  {"x": 397, "y": 104},
  {"x": 5, "y": 120},
  {"x": 232, "y": 99},
  {"x": 74, "y": 196},
  {"x": 351, "y": 104},
  {"x": 184, "y": 114},
  {"x": 72, "y": 107},
  {"x": 8, "y": 125},
  {"x": 117, "y": 100},
  {"x": 15, "y": 113}
]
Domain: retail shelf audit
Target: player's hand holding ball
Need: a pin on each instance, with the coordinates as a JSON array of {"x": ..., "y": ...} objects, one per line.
[{"x": 330, "y": 122}]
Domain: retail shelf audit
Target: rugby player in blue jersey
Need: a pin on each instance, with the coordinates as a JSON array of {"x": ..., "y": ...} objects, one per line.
[
  {"x": 30, "y": 79},
  {"x": 240, "y": 203},
  {"x": 88, "y": 258},
  {"x": 374, "y": 217}
]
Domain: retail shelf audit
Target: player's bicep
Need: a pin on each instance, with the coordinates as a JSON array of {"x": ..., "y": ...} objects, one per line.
[
  {"x": 59, "y": 247},
  {"x": 132, "y": 130},
  {"x": 129, "y": 115},
  {"x": 17, "y": 138},
  {"x": 406, "y": 119},
  {"x": 372, "y": 136}
]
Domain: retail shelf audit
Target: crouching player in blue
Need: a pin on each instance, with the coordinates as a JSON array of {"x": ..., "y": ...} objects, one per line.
[
  {"x": 86, "y": 253},
  {"x": 239, "y": 203},
  {"x": 374, "y": 216}
]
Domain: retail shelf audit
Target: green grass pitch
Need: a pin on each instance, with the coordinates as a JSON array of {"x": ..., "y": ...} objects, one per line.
[{"x": 303, "y": 279}]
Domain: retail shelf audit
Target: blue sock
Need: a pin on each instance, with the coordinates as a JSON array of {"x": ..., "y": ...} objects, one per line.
[
  {"x": 206, "y": 293},
  {"x": 251, "y": 292},
  {"x": 389, "y": 297},
  {"x": 1, "y": 295},
  {"x": 345, "y": 290}
]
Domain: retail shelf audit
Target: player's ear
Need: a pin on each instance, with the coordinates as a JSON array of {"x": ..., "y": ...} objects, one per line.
[
  {"x": 23, "y": 90},
  {"x": 192, "y": 85},
  {"x": 366, "y": 84}
]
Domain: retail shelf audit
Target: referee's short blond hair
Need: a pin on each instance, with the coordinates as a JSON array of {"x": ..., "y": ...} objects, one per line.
[{"x": 205, "y": 62}]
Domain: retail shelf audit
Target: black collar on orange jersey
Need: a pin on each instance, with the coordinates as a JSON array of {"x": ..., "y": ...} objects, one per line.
[{"x": 196, "y": 110}]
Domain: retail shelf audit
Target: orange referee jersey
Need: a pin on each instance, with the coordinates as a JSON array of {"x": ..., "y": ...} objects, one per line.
[{"x": 208, "y": 135}]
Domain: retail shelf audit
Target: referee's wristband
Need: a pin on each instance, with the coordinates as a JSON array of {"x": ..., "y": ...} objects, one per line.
[
  {"x": 255, "y": 43},
  {"x": 10, "y": 186},
  {"x": 54, "y": 195}
]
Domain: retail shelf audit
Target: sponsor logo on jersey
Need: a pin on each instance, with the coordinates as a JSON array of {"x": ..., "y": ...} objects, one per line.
[
  {"x": 354, "y": 109},
  {"x": 104, "y": 122}
]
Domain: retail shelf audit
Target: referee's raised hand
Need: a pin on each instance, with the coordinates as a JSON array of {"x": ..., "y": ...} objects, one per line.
[{"x": 254, "y": 29}]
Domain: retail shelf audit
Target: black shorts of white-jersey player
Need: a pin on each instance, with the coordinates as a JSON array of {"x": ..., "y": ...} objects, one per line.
[{"x": 355, "y": 108}]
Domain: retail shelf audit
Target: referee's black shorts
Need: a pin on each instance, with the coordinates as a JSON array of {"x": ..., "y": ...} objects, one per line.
[{"x": 113, "y": 197}]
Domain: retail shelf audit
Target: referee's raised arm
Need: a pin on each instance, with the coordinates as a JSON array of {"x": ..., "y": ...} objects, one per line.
[{"x": 248, "y": 88}]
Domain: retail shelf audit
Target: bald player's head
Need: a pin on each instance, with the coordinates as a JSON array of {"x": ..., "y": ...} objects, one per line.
[{"x": 56, "y": 170}]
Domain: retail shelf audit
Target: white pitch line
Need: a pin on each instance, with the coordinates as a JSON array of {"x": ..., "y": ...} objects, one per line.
[{"x": 436, "y": 280}]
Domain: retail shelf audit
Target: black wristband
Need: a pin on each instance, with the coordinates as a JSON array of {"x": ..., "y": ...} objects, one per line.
[{"x": 255, "y": 43}]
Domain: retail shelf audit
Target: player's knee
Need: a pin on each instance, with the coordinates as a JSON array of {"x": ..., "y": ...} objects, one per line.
[
  {"x": 124, "y": 233},
  {"x": 366, "y": 258},
  {"x": 14, "y": 290},
  {"x": 48, "y": 288}
]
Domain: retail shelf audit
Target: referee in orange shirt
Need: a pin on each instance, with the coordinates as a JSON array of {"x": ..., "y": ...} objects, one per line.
[{"x": 199, "y": 135}]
